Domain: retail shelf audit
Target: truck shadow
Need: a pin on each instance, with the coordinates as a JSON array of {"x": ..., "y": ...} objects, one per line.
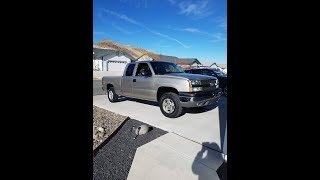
[
  {"x": 139, "y": 101},
  {"x": 197, "y": 110},
  {"x": 208, "y": 153}
]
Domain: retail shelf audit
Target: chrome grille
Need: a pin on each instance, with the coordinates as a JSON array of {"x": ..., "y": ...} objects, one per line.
[{"x": 209, "y": 82}]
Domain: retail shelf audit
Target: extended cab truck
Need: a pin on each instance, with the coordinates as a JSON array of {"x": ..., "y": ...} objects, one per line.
[
  {"x": 163, "y": 82},
  {"x": 222, "y": 77}
]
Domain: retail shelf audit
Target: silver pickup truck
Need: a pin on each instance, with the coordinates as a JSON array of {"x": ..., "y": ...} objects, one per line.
[{"x": 165, "y": 83}]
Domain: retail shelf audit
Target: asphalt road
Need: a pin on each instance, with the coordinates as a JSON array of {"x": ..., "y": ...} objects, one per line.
[{"x": 114, "y": 159}]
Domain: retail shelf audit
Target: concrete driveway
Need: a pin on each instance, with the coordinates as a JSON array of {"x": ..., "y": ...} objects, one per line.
[{"x": 204, "y": 126}]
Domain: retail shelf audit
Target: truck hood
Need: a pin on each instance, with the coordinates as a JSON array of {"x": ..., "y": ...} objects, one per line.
[{"x": 190, "y": 76}]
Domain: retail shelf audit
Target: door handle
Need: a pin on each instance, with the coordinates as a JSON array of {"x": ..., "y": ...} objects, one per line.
[{"x": 134, "y": 80}]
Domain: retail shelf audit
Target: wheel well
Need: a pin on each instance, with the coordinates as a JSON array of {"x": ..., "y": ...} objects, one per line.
[
  {"x": 162, "y": 90},
  {"x": 109, "y": 86}
]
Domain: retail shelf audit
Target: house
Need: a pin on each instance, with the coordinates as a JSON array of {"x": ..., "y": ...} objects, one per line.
[
  {"x": 188, "y": 63},
  {"x": 222, "y": 67},
  {"x": 184, "y": 63},
  {"x": 116, "y": 60},
  {"x": 110, "y": 60}
]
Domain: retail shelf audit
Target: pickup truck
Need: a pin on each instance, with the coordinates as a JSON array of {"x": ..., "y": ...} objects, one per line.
[
  {"x": 222, "y": 77},
  {"x": 165, "y": 83}
]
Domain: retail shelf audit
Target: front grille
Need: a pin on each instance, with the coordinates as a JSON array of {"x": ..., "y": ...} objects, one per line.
[{"x": 209, "y": 83}]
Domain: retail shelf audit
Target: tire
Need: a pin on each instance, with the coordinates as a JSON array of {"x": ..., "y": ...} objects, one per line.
[
  {"x": 112, "y": 95},
  {"x": 170, "y": 105},
  {"x": 225, "y": 91}
]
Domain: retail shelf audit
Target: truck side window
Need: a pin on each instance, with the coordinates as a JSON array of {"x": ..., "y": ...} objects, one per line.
[
  {"x": 130, "y": 70},
  {"x": 195, "y": 71},
  {"x": 142, "y": 66}
]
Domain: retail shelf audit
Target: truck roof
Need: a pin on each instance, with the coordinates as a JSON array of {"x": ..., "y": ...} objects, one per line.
[{"x": 152, "y": 61}]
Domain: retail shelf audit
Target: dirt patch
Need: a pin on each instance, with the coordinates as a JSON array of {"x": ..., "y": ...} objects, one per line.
[{"x": 104, "y": 124}]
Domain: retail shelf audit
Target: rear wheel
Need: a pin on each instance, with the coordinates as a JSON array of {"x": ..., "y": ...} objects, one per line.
[
  {"x": 112, "y": 96},
  {"x": 170, "y": 105}
]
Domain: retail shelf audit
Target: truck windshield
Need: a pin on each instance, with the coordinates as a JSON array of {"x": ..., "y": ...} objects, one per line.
[{"x": 161, "y": 68}]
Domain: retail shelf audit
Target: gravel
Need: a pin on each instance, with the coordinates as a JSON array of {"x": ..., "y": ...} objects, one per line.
[
  {"x": 114, "y": 159},
  {"x": 104, "y": 124}
]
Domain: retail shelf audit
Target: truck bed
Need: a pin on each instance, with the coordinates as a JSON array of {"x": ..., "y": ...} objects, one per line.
[{"x": 114, "y": 80}]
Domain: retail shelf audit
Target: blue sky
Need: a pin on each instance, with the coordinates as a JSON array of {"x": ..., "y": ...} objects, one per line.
[{"x": 182, "y": 28}]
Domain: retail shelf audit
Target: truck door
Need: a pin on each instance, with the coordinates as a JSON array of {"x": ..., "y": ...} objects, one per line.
[
  {"x": 126, "y": 83},
  {"x": 143, "y": 86}
]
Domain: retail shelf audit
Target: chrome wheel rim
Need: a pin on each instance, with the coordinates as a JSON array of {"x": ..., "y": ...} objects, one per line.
[
  {"x": 168, "y": 106},
  {"x": 110, "y": 95}
]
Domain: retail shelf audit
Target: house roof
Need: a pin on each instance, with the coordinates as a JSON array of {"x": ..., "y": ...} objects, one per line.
[
  {"x": 98, "y": 53},
  {"x": 176, "y": 60},
  {"x": 188, "y": 61},
  {"x": 223, "y": 66}
]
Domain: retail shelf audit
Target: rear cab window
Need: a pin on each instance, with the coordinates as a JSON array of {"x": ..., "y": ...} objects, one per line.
[
  {"x": 130, "y": 69},
  {"x": 142, "y": 66}
]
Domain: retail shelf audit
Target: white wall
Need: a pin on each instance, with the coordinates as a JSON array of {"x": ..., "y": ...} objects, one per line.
[
  {"x": 97, "y": 65},
  {"x": 214, "y": 66},
  {"x": 104, "y": 65},
  {"x": 194, "y": 64},
  {"x": 119, "y": 58},
  {"x": 111, "y": 63},
  {"x": 118, "y": 63}
]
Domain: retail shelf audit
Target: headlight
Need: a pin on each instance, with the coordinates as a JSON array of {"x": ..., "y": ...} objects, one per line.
[
  {"x": 195, "y": 89},
  {"x": 195, "y": 82}
]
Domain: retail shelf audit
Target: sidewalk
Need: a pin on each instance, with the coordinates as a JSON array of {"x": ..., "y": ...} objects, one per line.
[
  {"x": 206, "y": 126},
  {"x": 173, "y": 157}
]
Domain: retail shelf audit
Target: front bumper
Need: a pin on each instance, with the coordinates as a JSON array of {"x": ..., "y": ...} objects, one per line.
[{"x": 199, "y": 99}]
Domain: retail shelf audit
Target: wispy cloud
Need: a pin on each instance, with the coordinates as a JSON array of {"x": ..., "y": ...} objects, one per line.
[
  {"x": 136, "y": 3},
  {"x": 223, "y": 25},
  {"x": 168, "y": 37},
  {"x": 100, "y": 33},
  {"x": 195, "y": 30},
  {"x": 122, "y": 17},
  {"x": 217, "y": 37},
  {"x": 220, "y": 22},
  {"x": 192, "y": 30},
  {"x": 198, "y": 9},
  {"x": 214, "y": 37},
  {"x": 121, "y": 29},
  {"x": 165, "y": 46},
  {"x": 172, "y": 1},
  {"x": 132, "y": 21}
]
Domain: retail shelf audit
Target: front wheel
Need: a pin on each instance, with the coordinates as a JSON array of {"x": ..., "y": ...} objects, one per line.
[
  {"x": 112, "y": 96},
  {"x": 170, "y": 105}
]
